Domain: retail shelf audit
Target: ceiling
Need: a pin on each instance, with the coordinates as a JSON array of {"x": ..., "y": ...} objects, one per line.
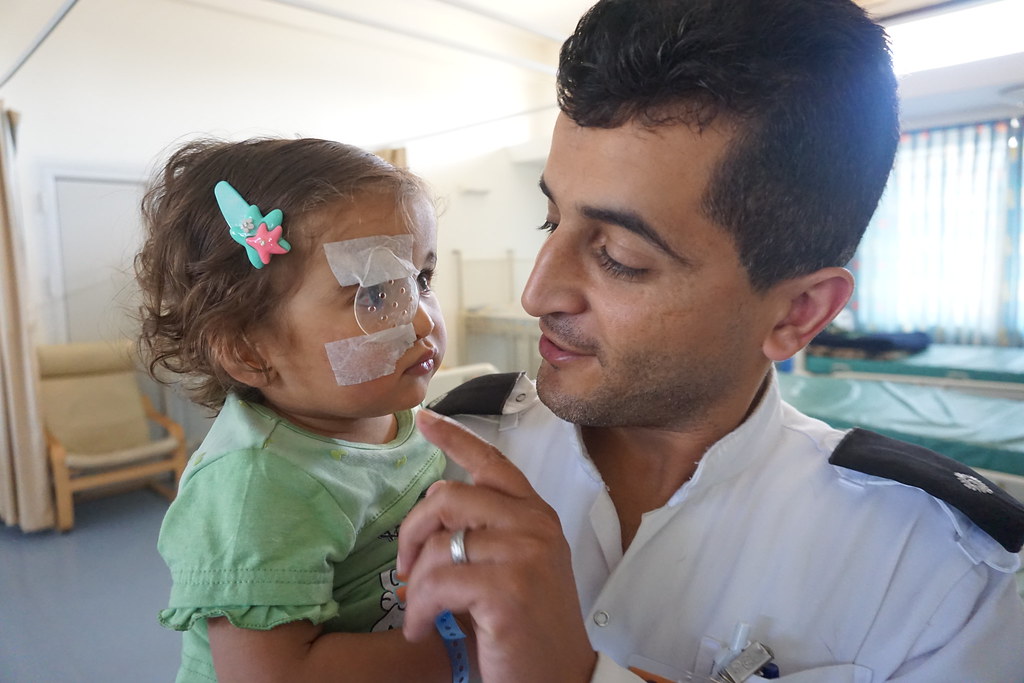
[
  {"x": 529, "y": 33},
  {"x": 938, "y": 97},
  {"x": 559, "y": 17},
  {"x": 990, "y": 88},
  {"x": 882, "y": 9}
]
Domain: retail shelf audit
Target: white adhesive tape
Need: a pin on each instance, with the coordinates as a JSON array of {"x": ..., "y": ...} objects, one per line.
[
  {"x": 371, "y": 260},
  {"x": 368, "y": 357}
]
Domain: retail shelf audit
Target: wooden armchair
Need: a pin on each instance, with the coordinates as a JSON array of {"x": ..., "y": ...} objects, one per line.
[{"x": 97, "y": 425}]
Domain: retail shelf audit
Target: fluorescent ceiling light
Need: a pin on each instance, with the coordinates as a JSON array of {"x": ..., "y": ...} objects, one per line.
[{"x": 970, "y": 34}]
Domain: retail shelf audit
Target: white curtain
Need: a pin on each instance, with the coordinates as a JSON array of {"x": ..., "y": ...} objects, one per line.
[
  {"x": 25, "y": 497},
  {"x": 943, "y": 253}
]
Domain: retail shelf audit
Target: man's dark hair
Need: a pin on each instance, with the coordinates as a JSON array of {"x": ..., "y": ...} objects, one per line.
[{"x": 807, "y": 85}]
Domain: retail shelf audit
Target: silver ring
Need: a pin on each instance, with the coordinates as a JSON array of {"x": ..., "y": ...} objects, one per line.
[{"x": 458, "y": 547}]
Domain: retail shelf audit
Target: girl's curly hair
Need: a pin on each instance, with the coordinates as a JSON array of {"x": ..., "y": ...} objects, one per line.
[{"x": 200, "y": 294}]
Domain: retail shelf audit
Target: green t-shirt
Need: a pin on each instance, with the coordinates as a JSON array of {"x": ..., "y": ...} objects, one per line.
[{"x": 274, "y": 524}]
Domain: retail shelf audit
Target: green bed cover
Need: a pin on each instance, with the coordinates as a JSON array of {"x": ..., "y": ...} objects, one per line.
[
  {"x": 978, "y": 431},
  {"x": 989, "y": 363}
]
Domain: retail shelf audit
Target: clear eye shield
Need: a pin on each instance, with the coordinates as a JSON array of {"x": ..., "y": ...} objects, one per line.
[{"x": 385, "y": 305}]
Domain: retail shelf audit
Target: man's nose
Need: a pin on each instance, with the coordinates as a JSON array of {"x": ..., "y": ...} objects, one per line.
[{"x": 556, "y": 282}]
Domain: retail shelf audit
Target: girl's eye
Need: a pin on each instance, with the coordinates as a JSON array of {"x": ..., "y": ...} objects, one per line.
[
  {"x": 617, "y": 269},
  {"x": 424, "y": 279},
  {"x": 548, "y": 226}
]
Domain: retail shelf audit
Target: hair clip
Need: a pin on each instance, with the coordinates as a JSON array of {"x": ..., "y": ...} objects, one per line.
[{"x": 243, "y": 218}]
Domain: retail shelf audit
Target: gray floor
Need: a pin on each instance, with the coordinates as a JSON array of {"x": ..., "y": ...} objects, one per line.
[{"x": 81, "y": 607}]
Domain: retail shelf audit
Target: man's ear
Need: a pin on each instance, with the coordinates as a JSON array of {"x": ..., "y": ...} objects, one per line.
[
  {"x": 244, "y": 364},
  {"x": 806, "y": 304}
]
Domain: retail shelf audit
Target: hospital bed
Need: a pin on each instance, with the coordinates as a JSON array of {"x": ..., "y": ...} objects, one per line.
[
  {"x": 987, "y": 370},
  {"x": 983, "y": 432},
  {"x": 980, "y": 431}
]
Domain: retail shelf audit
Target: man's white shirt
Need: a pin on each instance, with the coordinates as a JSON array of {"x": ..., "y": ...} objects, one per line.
[{"x": 846, "y": 577}]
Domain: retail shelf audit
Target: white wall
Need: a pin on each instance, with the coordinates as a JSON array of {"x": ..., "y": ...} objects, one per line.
[{"x": 118, "y": 83}]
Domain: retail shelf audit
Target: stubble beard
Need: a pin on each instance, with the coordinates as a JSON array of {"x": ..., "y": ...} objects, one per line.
[
  {"x": 658, "y": 388},
  {"x": 641, "y": 391}
]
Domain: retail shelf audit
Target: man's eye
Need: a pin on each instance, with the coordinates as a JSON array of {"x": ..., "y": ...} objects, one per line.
[
  {"x": 548, "y": 226},
  {"x": 617, "y": 269}
]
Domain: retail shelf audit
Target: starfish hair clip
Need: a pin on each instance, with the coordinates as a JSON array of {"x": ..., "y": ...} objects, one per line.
[{"x": 262, "y": 236}]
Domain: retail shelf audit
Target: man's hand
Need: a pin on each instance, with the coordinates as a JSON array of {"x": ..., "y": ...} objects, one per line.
[{"x": 517, "y": 586}]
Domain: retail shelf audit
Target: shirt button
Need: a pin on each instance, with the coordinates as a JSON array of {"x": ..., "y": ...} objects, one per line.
[
  {"x": 520, "y": 398},
  {"x": 601, "y": 618}
]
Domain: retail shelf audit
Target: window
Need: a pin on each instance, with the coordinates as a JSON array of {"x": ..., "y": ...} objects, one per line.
[{"x": 944, "y": 251}]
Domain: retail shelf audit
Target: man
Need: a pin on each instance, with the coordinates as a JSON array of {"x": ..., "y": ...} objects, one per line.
[{"x": 713, "y": 168}]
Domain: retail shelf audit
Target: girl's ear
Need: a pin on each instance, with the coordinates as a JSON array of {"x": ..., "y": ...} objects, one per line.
[
  {"x": 807, "y": 304},
  {"x": 244, "y": 364}
]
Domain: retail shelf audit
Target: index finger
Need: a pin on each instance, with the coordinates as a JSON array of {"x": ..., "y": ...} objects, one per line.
[{"x": 483, "y": 462}]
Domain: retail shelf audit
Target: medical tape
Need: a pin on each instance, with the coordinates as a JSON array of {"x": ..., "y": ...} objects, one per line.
[
  {"x": 388, "y": 294},
  {"x": 360, "y": 359},
  {"x": 371, "y": 260},
  {"x": 385, "y": 305}
]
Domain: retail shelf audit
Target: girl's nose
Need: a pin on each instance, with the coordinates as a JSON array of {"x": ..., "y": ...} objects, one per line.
[{"x": 422, "y": 323}]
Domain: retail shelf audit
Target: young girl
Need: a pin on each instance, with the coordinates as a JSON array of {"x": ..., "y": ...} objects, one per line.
[{"x": 289, "y": 282}]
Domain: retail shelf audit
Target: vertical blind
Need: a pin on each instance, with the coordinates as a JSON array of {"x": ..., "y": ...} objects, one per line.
[{"x": 944, "y": 252}]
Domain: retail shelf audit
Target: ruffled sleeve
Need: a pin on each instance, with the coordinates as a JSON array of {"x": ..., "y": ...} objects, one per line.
[{"x": 253, "y": 538}]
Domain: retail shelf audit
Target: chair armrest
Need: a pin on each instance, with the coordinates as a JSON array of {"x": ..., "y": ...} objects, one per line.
[
  {"x": 172, "y": 427},
  {"x": 58, "y": 453}
]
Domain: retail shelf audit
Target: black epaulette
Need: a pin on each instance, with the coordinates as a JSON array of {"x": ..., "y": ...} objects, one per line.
[
  {"x": 992, "y": 509},
  {"x": 484, "y": 395}
]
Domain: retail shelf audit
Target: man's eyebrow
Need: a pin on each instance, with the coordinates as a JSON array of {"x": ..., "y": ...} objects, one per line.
[{"x": 630, "y": 220}]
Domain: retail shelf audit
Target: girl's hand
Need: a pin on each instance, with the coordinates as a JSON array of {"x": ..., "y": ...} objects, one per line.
[{"x": 517, "y": 586}]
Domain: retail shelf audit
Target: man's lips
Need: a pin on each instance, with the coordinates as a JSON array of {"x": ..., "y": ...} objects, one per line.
[{"x": 553, "y": 352}]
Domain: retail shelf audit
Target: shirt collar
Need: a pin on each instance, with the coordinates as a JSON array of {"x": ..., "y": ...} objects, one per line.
[
  {"x": 734, "y": 452},
  {"x": 727, "y": 458}
]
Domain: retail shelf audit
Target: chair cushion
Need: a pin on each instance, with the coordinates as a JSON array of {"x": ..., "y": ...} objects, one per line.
[
  {"x": 95, "y": 413},
  {"x": 149, "y": 451}
]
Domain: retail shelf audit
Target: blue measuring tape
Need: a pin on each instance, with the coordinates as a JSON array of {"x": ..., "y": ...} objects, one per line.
[{"x": 455, "y": 645}]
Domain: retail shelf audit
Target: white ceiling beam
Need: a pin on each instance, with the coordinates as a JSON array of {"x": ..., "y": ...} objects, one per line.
[{"x": 392, "y": 27}]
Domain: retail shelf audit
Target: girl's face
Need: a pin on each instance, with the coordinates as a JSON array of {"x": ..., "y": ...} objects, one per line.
[{"x": 302, "y": 385}]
